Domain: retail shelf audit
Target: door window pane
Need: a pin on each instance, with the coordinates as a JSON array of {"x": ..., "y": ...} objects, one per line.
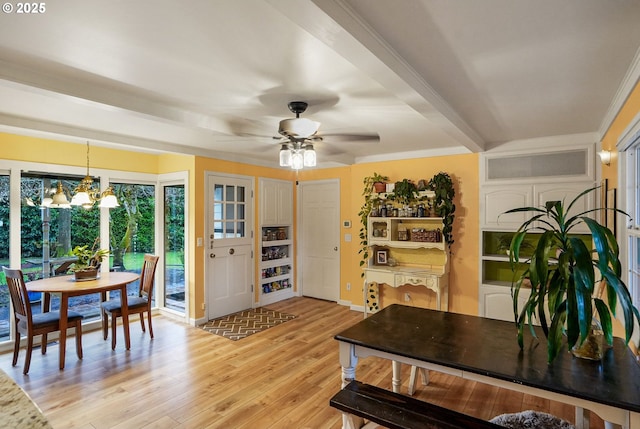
[
  {"x": 230, "y": 210},
  {"x": 174, "y": 287}
]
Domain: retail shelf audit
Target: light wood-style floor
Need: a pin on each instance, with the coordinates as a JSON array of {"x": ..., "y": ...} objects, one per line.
[{"x": 187, "y": 378}]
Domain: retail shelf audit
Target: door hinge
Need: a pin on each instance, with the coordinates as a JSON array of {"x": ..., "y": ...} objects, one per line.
[
  {"x": 252, "y": 254},
  {"x": 251, "y": 234},
  {"x": 251, "y": 288}
]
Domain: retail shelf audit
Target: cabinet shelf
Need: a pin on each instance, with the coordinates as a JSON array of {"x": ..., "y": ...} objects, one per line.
[
  {"x": 408, "y": 244},
  {"x": 394, "y": 241},
  {"x": 276, "y": 243},
  {"x": 271, "y": 263},
  {"x": 266, "y": 280}
]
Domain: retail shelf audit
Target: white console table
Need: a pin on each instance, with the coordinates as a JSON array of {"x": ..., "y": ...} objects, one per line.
[{"x": 435, "y": 279}]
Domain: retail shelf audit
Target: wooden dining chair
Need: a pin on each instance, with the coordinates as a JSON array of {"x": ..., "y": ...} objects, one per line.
[
  {"x": 30, "y": 324},
  {"x": 139, "y": 304}
]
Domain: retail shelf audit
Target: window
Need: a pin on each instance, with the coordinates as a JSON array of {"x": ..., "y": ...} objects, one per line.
[
  {"x": 5, "y": 311},
  {"x": 132, "y": 229},
  {"x": 48, "y": 234},
  {"x": 174, "y": 280},
  {"x": 633, "y": 230}
]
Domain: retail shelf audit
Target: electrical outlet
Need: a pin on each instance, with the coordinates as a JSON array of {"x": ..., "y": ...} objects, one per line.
[
  {"x": 203, "y": 306},
  {"x": 348, "y": 286},
  {"x": 407, "y": 297}
]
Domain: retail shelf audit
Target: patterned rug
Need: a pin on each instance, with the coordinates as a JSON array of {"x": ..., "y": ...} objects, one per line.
[{"x": 244, "y": 323}]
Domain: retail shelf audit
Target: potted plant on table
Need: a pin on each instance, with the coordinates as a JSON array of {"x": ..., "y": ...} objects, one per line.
[
  {"x": 562, "y": 276},
  {"x": 89, "y": 261}
]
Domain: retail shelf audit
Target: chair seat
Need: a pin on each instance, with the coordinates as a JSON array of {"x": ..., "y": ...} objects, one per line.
[
  {"x": 52, "y": 317},
  {"x": 133, "y": 302}
]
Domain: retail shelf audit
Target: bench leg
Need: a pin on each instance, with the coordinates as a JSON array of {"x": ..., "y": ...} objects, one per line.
[
  {"x": 424, "y": 374},
  {"x": 349, "y": 421}
]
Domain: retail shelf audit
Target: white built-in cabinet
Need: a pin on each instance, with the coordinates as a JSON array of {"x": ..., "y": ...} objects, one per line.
[
  {"x": 276, "y": 202},
  {"x": 276, "y": 240},
  {"x": 536, "y": 177}
]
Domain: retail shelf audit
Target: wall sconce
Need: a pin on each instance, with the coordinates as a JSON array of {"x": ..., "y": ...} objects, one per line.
[{"x": 605, "y": 157}]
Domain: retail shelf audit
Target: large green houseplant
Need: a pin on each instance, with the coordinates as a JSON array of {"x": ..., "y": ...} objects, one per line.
[{"x": 562, "y": 275}]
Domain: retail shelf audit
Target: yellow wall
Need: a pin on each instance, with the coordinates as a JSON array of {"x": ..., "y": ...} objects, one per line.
[
  {"x": 610, "y": 139},
  {"x": 22, "y": 148},
  {"x": 624, "y": 118}
]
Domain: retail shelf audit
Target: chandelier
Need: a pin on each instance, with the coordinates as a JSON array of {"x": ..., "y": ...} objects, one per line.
[
  {"x": 297, "y": 154},
  {"x": 85, "y": 195}
]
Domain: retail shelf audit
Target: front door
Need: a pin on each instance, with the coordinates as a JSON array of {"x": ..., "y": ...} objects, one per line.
[
  {"x": 229, "y": 240},
  {"x": 320, "y": 239}
]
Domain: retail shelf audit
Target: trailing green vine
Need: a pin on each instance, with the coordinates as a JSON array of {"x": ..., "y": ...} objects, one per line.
[
  {"x": 442, "y": 185},
  {"x": 370, "y": 199}
]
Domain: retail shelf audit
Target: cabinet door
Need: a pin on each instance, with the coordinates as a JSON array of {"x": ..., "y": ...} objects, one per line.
[
  {"x": 276, "y": 202},
  {"x": 496, "y": 302},
  {"x": 498, "y": 199},
  {"x": 268, "y": 202},
  {"x": 284, "y": 209},
  {"x": 568, "y": 192}
]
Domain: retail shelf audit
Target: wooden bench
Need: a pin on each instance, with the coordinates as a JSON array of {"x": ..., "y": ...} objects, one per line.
[{"x": 396, "y": 411}]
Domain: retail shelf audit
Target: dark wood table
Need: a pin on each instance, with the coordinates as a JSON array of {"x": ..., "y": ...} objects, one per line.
[
  {"x": 67, "y": 287},
  {"x": 486, "y": 350}
]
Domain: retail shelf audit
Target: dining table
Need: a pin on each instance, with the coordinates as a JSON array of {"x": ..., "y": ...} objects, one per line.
[
  {"x": 67, "y": 286},
  {"x": 485, "y": 350}
]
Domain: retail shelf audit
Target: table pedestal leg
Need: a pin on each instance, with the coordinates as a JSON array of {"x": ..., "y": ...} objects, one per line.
[
  {"x": 64, "y": 303},
  {"x": 125, "y": 316},
  {"x": 396, "y": 380}
]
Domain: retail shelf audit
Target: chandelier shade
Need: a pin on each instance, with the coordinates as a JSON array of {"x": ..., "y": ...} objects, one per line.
[{"x": 86, "y": 196}]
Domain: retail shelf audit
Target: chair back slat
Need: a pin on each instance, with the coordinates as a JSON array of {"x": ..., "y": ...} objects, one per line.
[
  {"x": 148, "y": 275},
  {"x": 18, "y": 293}
]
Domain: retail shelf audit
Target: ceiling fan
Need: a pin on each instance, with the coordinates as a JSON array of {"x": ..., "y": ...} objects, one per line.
[{"x": 301, "y": 134}]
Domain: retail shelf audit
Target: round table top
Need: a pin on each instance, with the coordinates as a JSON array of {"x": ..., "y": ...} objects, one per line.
[{"x": 105, "y": 281}]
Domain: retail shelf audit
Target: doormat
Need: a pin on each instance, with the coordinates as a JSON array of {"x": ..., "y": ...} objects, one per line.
[{"x": 240, "y": 325}]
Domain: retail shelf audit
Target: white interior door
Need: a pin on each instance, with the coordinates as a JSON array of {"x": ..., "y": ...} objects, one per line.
[
  {"x": 320, "y": 239},
  {"x": 229, "y": 241}
]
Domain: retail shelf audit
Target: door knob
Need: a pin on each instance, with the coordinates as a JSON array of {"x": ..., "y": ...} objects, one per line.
[
  {"x": 212, "y": 255},
  {"x": 335, "y": 248},
  {"x": 231, "y": 251}
]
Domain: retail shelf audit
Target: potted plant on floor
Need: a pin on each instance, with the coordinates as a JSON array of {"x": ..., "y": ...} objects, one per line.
[
  {"x": 562, "y": 276},
  {"x": 89, "y": 261}
]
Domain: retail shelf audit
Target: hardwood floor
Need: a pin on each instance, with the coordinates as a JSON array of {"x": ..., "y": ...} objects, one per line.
[{"x": 187, "y": 378}]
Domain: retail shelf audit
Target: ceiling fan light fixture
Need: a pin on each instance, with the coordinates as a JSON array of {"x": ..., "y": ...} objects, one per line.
[
  {"x": 285, "y": 156},
  {"x": 309, "y": 156},
  {"x": 300, "y": 128},
  {"x": 297, "y": 160}
]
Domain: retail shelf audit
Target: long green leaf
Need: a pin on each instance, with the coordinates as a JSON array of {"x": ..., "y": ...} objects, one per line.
[
  {"x": 605, "y": 320},
  {"x": 554, "y": 339}
]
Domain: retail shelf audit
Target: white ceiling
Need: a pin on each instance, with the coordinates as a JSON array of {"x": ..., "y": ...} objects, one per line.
[{"x": 213, "y": 77}]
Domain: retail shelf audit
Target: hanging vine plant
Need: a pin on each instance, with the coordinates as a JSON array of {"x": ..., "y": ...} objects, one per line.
[
  {"x": 442, "y": 185},
  {"x": 370, "y": 199}
]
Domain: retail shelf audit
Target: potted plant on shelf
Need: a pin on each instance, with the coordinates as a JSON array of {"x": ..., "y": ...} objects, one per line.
[
  {"x": 405, "y": 192},
  {"x": 376, "y": 182},
  {"x": 89, "y": 260},
  {"x": 562, "y": 277}
]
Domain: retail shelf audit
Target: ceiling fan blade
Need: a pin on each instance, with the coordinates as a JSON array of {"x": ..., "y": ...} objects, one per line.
[{"x": 368, "y": 138}]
